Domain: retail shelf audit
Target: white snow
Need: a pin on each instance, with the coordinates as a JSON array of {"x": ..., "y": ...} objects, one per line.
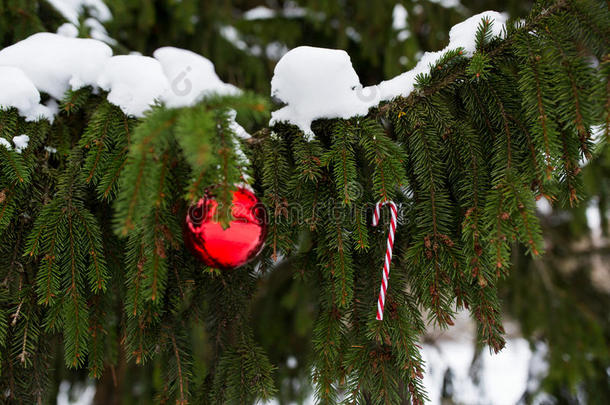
[
  {"x": 538, "y": 366},
  {"x": 232, "y": 35},
  {"x": 76, "y": 393},
  {"x": 259, "y": 13},
  {"x": 312, "y": 82},
  {"x": 544, "y": 207},
  {"x": 448, "y": 3},
  {"x": 55, "y": 63},
  {"x": 67, "y": 30},
  {"x": 39, "y": 112},
  {"x": 191, "y": 77},
  {"x": 502, "y": 378},
  {"x": 503, "y": 387},
  {"x": 403, "y": 35},
  {"x": 241, "y": 133},
  {"x": 134, "y": 82},
  {"x": 316, "y": 83},
  {"x": 399, "y": 17},
  {"x": 72, "y": 9},
  {"x": 321, "y": 83},
  {"x": 5, "y": 143},
  {"x": 236, "y": 128},
  {"x": 400, "y": 22},
  {"x": 53, "y": 107},
  {"x": 275, "y": 50},
  {"x": 98, "y": 31},
  {"x": 50, "y": 149},
  {"x": 18, "y": 91},
  {"x": 594, "y": 221},
  {"x": 21, "y": 142},
  {"x": 353, "y": 34},
  {"x": 462, "y": 35},
  {"x": 292, "y": 362},
  {"x": 293, "y": 10}
]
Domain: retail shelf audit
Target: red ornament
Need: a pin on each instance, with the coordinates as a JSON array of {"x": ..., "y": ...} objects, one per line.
[{"x": 231, "y": 247}]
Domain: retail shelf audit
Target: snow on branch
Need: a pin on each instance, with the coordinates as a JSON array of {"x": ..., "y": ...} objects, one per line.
[
  {"x": 313, "y": 82},
  {"x": 72, "y": 9},
  {"x": 316, "y": 83},
  {"x": 191, "y": 76},
  {"x": 322, "y": 83},
  {"x": 54, "y": 64},
  {"x": 18, "y": 91},
  {"x": 133, "y": 82}
]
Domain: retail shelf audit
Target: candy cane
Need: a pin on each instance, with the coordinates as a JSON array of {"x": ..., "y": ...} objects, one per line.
[{"x": 388, "y": 253}]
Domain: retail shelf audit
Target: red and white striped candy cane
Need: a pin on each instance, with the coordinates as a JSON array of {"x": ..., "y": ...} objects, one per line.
[{"x": 388, "y": 253}]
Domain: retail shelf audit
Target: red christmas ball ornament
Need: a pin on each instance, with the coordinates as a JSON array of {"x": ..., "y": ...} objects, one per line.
[{"x": 234, "y": 246}]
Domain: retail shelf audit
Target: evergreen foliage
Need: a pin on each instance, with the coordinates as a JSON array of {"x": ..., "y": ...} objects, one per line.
[{"x": 94, "y": 270}]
